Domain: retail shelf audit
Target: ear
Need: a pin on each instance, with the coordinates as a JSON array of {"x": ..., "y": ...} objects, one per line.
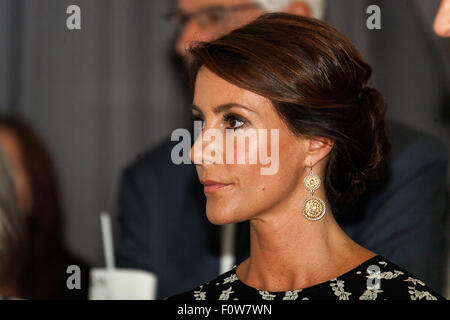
[
  {"x": 317, "y": 149},
  {"x": 299, "y": 8}
]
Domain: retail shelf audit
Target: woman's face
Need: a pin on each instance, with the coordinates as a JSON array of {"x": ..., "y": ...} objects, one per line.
[{"x": 248, "y": 192}]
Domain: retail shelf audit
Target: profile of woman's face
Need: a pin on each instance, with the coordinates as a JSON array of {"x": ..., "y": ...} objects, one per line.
[{"x": 248, "y": 192}]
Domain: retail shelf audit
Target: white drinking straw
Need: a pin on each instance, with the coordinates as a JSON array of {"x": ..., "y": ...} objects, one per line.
[
  {"x": 227, "y": 258},
  {"x": 108, "y": 245}
]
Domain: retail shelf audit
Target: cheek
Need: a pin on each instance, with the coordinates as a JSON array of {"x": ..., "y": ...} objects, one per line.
[
  {"x": 239, "y": 202},
  {"x": 252, "y": 191},
  {"x": 263, "y": 190}
]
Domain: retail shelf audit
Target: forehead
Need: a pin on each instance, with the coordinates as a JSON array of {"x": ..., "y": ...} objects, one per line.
[
  {"x": 192, "y": 5},
  {"x": 211, "y": 90}
]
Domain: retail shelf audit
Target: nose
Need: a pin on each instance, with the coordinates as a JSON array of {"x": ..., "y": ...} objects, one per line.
[
  {"x": 186, "y": 37},
  {"x": 208, "y": 147},
  {"x": 196, "y": 150}
]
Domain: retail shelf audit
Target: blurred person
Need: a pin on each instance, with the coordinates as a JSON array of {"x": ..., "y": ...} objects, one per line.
[
  {"x": 205, "y": 20},
  {"x": 12, "y": 237},
  {"x": 36, "y": 187},
  {"x": 442, "y": 19},
  {"x": 303, "y": 78},
  {"x": 155, "y": 193}
]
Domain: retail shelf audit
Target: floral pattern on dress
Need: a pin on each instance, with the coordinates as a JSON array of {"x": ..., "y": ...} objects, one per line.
[
  {"x": 266, "y": 295},
  {"x": 417, "y": 294},
  {"x": 393, "y": 283},
  {"x": 225, "y": 295},
  {"x": 291, "y": 295},
  {"x": 230, "y": 279},
  {"x": 415, "y": 281},
  {"x": 199, "y": 294},
  {"x": 370, "y": 294},
  {"x": 338, "y": 289},
  {"x": 390, "y": 275}
]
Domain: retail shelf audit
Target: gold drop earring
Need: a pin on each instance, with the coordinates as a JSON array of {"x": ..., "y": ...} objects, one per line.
[{"x": 313, "y": 207}]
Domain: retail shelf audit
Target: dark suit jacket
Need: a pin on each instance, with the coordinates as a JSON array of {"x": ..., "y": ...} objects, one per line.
[{"x": 164, "y": 228}]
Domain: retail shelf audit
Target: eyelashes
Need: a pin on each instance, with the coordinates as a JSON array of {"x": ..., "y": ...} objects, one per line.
[
  {"x": 233, "y": 120},
  {"x": 195, "y": 119}
]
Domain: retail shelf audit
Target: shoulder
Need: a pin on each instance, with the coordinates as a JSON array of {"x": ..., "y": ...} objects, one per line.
[
  {"x": 416, "y": 148},
  {"x": 387, "y": 281}
]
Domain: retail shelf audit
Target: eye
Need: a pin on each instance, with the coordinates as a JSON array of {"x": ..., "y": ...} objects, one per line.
[
  {"x": 214, "y": 15},
  {"x": 179, "y": 17},
  {"x": 196, "y": 118},
  {"x": 184, "y": 19},
  {"x": 235, "y": 121}
]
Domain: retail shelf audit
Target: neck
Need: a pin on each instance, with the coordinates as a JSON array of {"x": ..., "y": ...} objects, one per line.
[{"x": 288, "y": 252}]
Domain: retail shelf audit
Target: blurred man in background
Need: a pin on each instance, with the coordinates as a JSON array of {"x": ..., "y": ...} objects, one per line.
[{"x": 163, "y": 224}]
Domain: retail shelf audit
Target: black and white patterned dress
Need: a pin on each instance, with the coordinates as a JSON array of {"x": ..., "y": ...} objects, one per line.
[{"x": 374, "y": 279}]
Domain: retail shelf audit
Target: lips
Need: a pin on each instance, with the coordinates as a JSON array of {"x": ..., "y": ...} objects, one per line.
[{"x": 212, "y": 186}]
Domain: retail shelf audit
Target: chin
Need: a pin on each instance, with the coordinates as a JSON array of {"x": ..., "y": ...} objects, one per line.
[
  {"x": 218, "y": 218},
  {"x": 220, "y": 215}
]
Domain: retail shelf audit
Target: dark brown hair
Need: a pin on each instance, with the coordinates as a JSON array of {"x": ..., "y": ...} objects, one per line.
[
  {"x": 318, "y": 83},
  {"x": 12, "y": 237}
]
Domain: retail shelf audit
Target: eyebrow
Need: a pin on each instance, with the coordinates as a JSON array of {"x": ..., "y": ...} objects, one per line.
[{"x": 223, "y": 107}]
